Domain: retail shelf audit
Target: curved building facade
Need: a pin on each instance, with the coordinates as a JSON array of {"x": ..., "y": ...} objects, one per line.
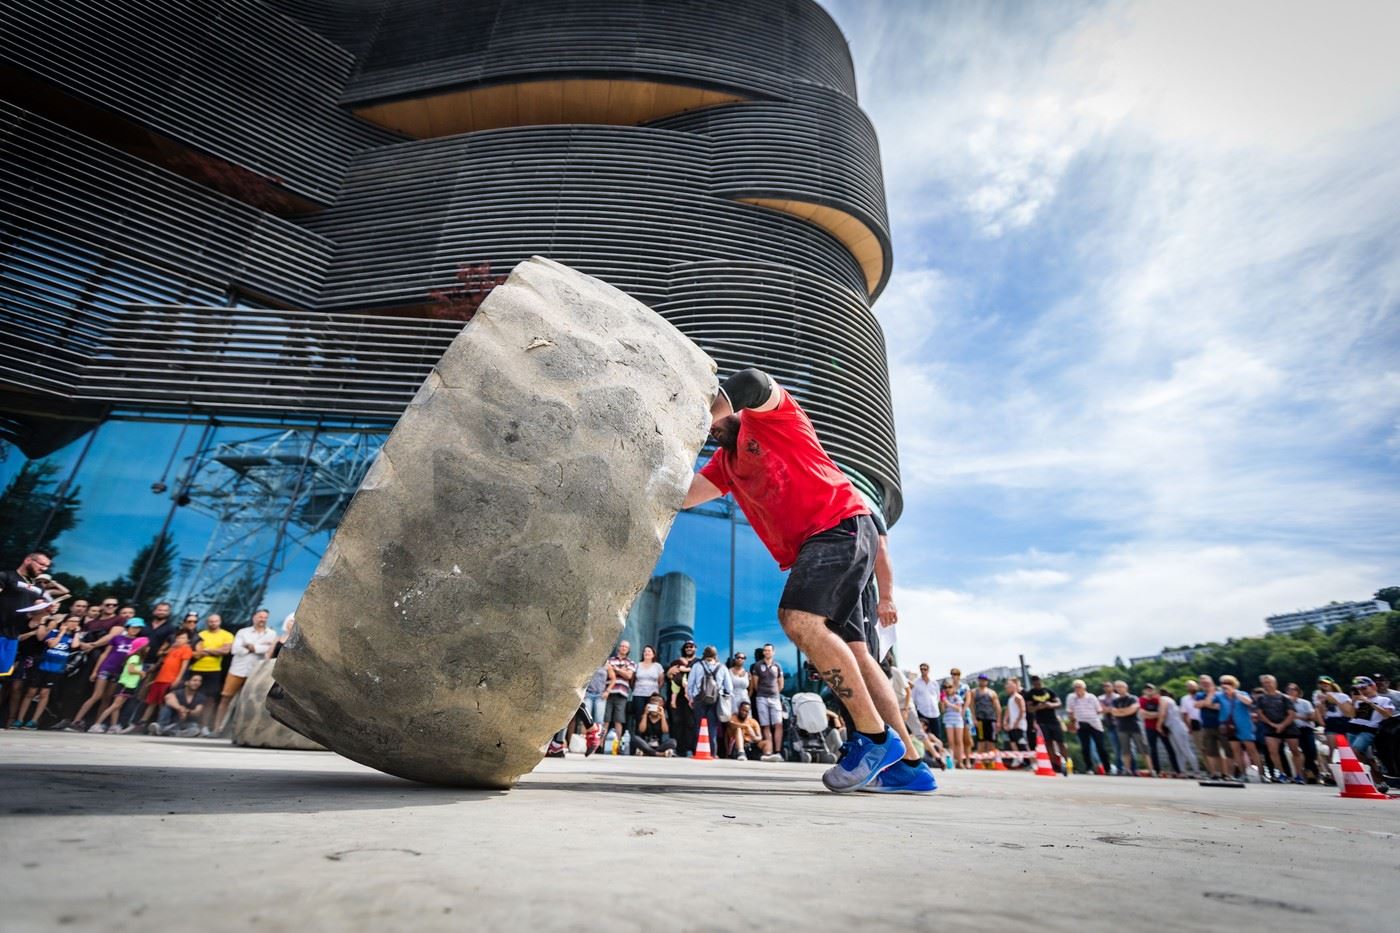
[{"x": 249, "y": 210}]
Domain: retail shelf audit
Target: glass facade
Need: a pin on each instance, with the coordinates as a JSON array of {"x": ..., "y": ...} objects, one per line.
[{"x": 715, "y": 582}]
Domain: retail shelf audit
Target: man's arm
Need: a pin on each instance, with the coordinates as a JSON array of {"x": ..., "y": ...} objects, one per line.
[
  {"x": 885, "y": 611},
  {"x": 701, "y": 491}
]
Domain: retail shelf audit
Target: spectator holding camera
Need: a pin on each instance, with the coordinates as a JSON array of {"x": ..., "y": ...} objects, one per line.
[{"x": 1367, "y": 709}]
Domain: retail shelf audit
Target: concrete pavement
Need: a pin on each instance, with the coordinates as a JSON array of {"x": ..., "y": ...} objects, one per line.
[{"x": 128, "y": 833}]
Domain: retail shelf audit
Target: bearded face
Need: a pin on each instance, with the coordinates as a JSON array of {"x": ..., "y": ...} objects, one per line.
[{"x": 725, "y": 432}]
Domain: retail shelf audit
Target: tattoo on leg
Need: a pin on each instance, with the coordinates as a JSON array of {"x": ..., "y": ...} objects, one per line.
[{"x": 837, "y": 683}]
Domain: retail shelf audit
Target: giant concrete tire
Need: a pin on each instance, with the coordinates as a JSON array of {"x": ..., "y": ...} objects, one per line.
[{"x": 488, "y": 560}]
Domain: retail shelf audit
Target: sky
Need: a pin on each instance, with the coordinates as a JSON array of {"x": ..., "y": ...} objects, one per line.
[{"x": 1144, "y": 320}]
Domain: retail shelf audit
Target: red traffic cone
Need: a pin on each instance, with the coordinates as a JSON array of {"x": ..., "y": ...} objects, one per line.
[
  {"x": 1042, "y": 759},
  {"x": 702, "y": 744},
  {"x": 1356, "y": 780}
]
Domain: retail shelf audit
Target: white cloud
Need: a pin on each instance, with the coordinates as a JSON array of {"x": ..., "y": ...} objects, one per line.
[{"x": 1126, "y": 601}]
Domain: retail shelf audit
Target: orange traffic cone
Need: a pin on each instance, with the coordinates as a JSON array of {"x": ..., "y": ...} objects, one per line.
[
  {"x": 1042, "y": 759},
  {"x": 1356, "y": 780},
  {"x": 998, "y": 764},
  {"x": 702, "y": 744}
]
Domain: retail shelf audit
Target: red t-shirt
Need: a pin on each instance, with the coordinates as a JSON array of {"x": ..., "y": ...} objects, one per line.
[
  {"x": 170, "y": 664},
  {"x": 783, "y": 480}
]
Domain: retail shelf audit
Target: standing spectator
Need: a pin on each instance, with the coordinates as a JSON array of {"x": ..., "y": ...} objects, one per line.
[
  {"x": 1154, "y": 711},
  {"x": 58, "y": 646},
  {"x": 955, "y": 696},
  {"x": 595, "y": 694},
  {"x": 1086, "y": 718},
  {"x": 128, "y": 680},
  {"x": 109, "y": 668},
  {"x": 653, "y": 735},
  {"x": 1177, "y": 733},
  {"x": 29, "y": 650},
  {"x": 107, "y": 619},
  {"x": 925, "y": 690},
  {"x": 647, "y": 683},
  {"x": 289, "y": 622},
  {"x": 739, "y": 674},
  {"x": 1305, "y": 719},
  {"x": 169, "y": 670},
  {"x": 79, "y": 608},
  {"x": 183, "y": 709},
  {"x": 1013, "y": 720},
  {"x": 1192, "y": 717},
  {"x": 682, "y": 714},
  {"x": 212, "y": 645},
  {"x": 1383, "y": 689},
  {"x": 1278, "y": 721},
  {"x": 251, "y": 646},
  {"x": 1331, "y": 704},
  {"x": 622, "y": 670},
  {"x": 708, "y": 680},
  {"x": 1237, "y": 726},
  {"x": 1367, "y": 709},
  {"x": 1041, "y": 702},
  {"x": 1215, "y": 748},
  {"x": 986, "y": 709},
  {"x": 20, "y": 590},
  {"x": 160, "y": 628},
  {"x": 766, "y": 694},
  {"x": 1110, "y": 724},
  {"x": 1125, "y": 709}
]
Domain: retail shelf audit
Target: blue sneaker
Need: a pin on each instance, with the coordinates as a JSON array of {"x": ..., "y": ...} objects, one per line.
[
  {"x": 861, "y": 761},
  {"x": 903, "y": 778}
]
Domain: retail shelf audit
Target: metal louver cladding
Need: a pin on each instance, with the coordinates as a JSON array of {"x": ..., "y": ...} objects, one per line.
[{"x": 254, "y": 207}]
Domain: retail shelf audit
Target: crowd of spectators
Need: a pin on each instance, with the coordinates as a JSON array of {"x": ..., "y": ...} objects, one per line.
[
  {"x": 91, "y": 664},
  {"x": 1214, "y": 730}
]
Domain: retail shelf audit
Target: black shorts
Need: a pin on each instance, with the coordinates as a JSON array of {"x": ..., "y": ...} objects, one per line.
[
  {"x": 1269, "y": 732},
  {"x": 831, "y": 576},
  {"x": 1050, "y": 728},
  {"x": 41, "y": 680},
  {"x": 986, "y": 730},
  {"x": 213, "y": 682}
]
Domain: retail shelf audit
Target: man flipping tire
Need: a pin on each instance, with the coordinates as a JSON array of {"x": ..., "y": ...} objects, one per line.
[{"x": 816, "y": 525}]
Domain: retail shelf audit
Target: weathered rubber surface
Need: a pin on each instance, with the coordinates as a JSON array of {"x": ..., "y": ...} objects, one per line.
[{"x": 488, "y": 560}]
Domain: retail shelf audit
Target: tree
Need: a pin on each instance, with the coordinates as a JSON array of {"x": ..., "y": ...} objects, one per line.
[
  {"x": 1389, "y": 594},
  {"x": 26, "y": 504},
  {"x": 157, "y": 579},
  {"x": 1365, "y": 661}
]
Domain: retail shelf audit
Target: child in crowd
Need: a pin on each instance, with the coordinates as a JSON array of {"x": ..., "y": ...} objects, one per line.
[
  {"x": 57, "y": 647},
  {"x": 173, "y": 664},
  {"x": 128, "y": 680}
]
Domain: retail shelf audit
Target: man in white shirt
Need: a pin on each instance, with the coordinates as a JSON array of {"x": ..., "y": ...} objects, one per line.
[
  {"x": 1013, "y": 720},
  {"x": 251, "y": 646},
  {"x": 925, "y": 690}
]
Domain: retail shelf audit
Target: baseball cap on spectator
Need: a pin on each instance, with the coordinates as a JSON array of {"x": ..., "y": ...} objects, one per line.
[
  {"x": 1329, "y": 682},
  {"x": 136, "y": 622},
  {"x": 1361, "y": 681},
  {"x": 983, "y": 677}
]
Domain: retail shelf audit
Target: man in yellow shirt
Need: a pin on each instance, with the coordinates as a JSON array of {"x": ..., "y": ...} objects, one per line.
[{"x": 212, "y": 645}]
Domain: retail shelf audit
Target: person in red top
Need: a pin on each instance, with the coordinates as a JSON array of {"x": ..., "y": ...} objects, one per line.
[
  {"x": 173, "y": 665},
  {"x": 818, "y": 527}
]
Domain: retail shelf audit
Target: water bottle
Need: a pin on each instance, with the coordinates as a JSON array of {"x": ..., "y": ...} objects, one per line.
[
  {"x": 948, "y": 761},
  {"x": 610, "y": 743}
]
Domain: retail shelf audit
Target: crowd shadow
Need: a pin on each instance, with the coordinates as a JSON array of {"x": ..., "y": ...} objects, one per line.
[{"x": 129, "y": 790}]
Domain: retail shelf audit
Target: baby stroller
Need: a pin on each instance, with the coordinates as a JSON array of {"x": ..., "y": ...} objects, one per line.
[{"x": 807, "y": 728}]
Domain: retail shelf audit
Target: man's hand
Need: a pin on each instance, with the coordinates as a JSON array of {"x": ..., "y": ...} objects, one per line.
[{"x": 887, "y": 612}]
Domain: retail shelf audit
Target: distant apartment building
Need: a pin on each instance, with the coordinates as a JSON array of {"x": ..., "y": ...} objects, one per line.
[
  {"x": 1172, "y": 655},
  {"x": 1330, "y": 614},
  {"x": 1080, "y": 671},
  {"x": 995, "y": 674}
]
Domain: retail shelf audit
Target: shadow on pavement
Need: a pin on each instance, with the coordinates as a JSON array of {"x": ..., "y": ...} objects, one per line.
[{"x": 127, "y": 790}]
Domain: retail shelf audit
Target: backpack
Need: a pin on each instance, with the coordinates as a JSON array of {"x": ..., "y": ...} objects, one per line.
[{"x": 709, "y": 685}]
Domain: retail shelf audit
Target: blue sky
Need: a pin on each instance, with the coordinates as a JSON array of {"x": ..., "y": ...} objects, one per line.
[{"x": 1144, "y": 322}]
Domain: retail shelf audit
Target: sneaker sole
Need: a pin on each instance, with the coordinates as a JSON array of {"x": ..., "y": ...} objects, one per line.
[{"x": 865, "y": 783}]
